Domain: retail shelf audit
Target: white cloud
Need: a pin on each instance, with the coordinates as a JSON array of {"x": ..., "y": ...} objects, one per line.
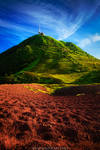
[
  {"x": 87, "y": 41},
  {"x": 53, "y": 19},
  {"x": 18, "y": 31},
  {"x": 14, "y": 26},
  {"x": 84, "y": 42},
  {"x": 96, "y": 37},
  {"x": 63, "y": 24}
]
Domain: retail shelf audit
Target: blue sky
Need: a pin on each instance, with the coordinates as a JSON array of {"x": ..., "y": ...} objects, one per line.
[{"x": 77, "y": 21}]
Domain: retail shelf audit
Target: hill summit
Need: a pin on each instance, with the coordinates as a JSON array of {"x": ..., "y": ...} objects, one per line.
[{"x": 44, "y": 54}]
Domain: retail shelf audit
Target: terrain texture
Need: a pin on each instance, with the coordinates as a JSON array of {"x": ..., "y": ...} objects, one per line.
[{"x": 31, "y": 118}]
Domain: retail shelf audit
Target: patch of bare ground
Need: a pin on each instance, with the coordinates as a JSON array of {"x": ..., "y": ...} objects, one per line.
[{"x": 30, "y": 119}]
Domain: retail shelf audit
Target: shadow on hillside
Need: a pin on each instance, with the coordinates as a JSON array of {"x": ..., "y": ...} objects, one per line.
[
  {"x": 75, "y": 90},
  {"x": 89, "y": 78}
]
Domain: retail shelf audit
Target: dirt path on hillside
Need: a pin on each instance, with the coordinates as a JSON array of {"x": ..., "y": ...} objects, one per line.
[{"x": 31, "y": 118}]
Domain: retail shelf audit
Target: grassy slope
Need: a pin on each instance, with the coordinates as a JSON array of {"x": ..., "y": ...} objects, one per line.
[
  {"x": 60, "y": 58},
  {"x": 89, "y": 78},
  {"x": 43, "y": 54}
]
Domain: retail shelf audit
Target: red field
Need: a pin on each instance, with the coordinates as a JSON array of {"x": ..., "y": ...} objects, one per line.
[{"x": 31, "y": 119}]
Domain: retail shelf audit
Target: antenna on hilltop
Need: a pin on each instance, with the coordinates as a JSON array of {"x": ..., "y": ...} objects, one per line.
[
  {"x": 39, "y": 29},
  {"x": 41, "y": 33}
]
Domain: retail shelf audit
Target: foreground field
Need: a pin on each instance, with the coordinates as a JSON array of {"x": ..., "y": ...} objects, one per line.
[{"x": 30, "y": 118}]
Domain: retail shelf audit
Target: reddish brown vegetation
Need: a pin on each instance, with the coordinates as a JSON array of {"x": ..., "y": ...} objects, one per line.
[{"x": 31, "y": 119}]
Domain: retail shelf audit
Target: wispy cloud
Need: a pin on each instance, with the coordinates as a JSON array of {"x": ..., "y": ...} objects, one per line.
[
  {"x": 56, "y": 20},
  {"x": 90, "y": 40},
  {"x": 16, "y": 31},
  {"x": 61, "y": 20},
  {"x": 14, "y": 26},
  {"x": 96, "y": 37},
  {"x": 83, "y": 43}
]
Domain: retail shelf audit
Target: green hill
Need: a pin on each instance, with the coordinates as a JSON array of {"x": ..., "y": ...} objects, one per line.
[
  {"x": 44, "y": 54},
  {"x": 88, "y": 78}
]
